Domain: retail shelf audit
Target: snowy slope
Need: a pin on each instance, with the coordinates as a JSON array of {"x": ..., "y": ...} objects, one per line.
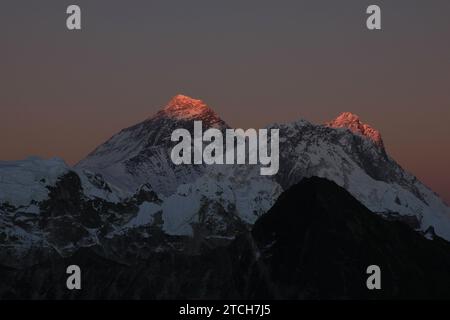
[
  {"x": 361, "y": 165},
  {"x": 130, "y": 182},
  {"x": 22, "y": 182},
  {"x": 47, "y": 206},
  {"x": 344, "y": 150},
  {"x": 141, "y": 154},
  {"x": 25, "y": 182},
  {"x": 222, "y": 197}
]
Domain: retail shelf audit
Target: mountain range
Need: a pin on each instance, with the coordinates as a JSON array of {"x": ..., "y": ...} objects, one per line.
[
  {"x": 126, "y": 203},
  {"x": 344, "y": 150},
  {"x": 314, "y": 243}
]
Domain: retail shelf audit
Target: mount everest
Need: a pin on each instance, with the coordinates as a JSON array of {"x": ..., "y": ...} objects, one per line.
[{"x": 128, "y": 189}]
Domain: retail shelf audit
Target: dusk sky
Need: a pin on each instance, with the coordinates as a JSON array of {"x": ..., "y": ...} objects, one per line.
[{"x": 254, "y": 62}]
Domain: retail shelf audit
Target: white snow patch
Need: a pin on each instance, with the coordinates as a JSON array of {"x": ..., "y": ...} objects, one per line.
[{"x": 23, "y": 181}]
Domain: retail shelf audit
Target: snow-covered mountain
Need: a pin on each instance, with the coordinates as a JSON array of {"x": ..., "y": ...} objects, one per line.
[
  {"x": 355, "y": 159},
  {"x": 314, "y": 243},
  {"x": 126, "y": 212},
  {"x": 141, "y": 154},
  {"x": 212, "y": 196},
  {"x": 128, "y": 189},
  {"x": 344, "y": 150},
  {"x": 46, "y": 206}
]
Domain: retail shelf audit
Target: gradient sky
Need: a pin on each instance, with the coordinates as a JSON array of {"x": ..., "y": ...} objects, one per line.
[{"x": 255, "y": 62}]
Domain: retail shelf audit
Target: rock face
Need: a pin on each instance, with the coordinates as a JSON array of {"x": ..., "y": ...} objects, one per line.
[{"x": 315, "y": 243}]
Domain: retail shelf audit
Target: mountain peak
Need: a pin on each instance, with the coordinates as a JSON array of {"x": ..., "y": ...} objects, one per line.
[
  {"x": 352, "y": 122},
  {"x": 348, "y": 116},
  {"x": 182, "y": 107}
]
